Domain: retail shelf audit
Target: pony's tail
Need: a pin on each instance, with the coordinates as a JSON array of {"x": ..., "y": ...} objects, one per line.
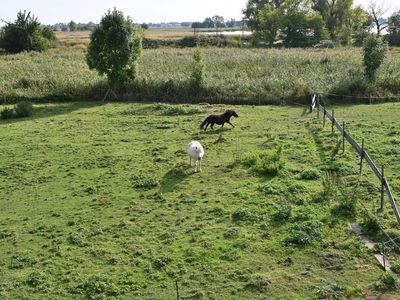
[{"x": 204, "y": 123}]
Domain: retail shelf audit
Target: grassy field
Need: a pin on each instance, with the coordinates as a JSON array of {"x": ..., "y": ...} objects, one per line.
[
  {"x": 98, "y": 201},
  {"x": 232, "y": 75}
]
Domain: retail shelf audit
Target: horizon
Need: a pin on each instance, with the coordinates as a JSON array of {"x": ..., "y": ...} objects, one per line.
[{"x": 156, "y": 11}]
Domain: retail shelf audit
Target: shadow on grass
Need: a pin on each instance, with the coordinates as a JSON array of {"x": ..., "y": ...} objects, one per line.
[
  {"x": 174, "y": 177},
  {"x": 51, "y": 110}
]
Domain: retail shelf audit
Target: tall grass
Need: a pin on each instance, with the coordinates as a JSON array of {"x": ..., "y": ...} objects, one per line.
[{"x": 242, "y": 75}]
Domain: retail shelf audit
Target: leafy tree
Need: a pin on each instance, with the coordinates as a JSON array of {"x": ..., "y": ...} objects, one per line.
[
  {"x": 198, "y": 66},
  {"x": 355, "y": 25},
  {"x": 394, "y": 29},
  {"x": 26, "y": 34},
  {"x": 115, "y": 46},
  {"x": 252, "y": 11},
  {"x": 375, "y": 50},
  {"x": 73, "y": 26},
  {"x": 144, "y": 26},
  {"x": 298, "y": 25}
]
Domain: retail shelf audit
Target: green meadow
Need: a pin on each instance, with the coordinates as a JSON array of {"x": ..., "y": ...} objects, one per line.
[{"x": 98, "y": 201}]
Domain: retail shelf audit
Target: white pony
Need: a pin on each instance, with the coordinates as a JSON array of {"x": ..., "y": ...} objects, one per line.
[{"x": 196, "y": 151}]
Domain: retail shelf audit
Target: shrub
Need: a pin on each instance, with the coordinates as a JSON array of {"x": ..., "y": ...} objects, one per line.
[
  {"x": 283, "y": 213},
  {"x": 355, "y": 83},
  {"x": 370, "y": 224},
  {"x": 243, "y": 215},
  {"x": 310, "y": 174},
  {"x": 269, "y": 189},
  {"x": 265, "y": 162},
  {"x": 330, "y": 291},
  {"x": 7, "y": 113},
  {"x": 197, "y": 76},
  {"x": 387, "y": 282},
  {"x": 396, "y": 267},
  {"x": 257, "y": 282},
  {"x": 97, "y": 287},
  {"x": 144, "y": 183},
  {"x": 304, "y": 233},
  {"x": 23, "y": 109},
  {"x": 346, "y": 207},
  {"x": 375, "y": 50},
  {"x": 25, "y": 34},
  {"x": 115, "y": 46}
]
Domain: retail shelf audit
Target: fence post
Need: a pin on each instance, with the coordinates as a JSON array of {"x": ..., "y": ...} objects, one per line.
[
  {"x": 383, "y": 256},
  {"x": 333, "y": 120},
  {"x": 382, "y": 187},
  {"x": 324, "y": 115},
  {"x": 362, "y": 156},
  {"x": 177, "y": 289},
  {"x": 344, "y": 134}
]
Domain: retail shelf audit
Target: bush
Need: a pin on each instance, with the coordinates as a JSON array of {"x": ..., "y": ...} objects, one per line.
[
  {"x": 243, "y": 215},
  {"x": 197, "y": 77},
  {"x": 25, "y": 34},
  {"x": 387, "y": 282},
  {"x": 331, "y": 291},
  {"x": 396, "y": 267},
  {"x": 375, "y": 50},
  {"x": 7, "y": 113},
  {"x": 355, "y": 83},
  {"x": 115, "y": 46},
  {"x": 23, "y": 109},
  {"x": 265, "y": 162},
  {"x": 304, "y": 233},
  {"x": 257, "y": 282},
  {"x": 283, "y": 213},
  {"x": 310, "y": 174},
  {"x": 346, "y": 207},
  {"x": 370, "y": 224}
]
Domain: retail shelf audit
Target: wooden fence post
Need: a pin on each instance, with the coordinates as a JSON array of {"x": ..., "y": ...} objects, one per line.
[
  {"x": 382, "y": 187},
  {"x": 177, "y": 289},
  {"x": 344, "y": 135},
  {"x": 362, "y": 156},
  {"x": 324, "y": 115},
  {"x": 333, "y": 120}
]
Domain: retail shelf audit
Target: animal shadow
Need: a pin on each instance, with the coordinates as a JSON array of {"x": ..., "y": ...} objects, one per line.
[{"x": 175, "y": 176}]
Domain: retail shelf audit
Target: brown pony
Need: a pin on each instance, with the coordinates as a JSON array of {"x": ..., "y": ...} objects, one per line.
[{"x": 219, "y": 119}]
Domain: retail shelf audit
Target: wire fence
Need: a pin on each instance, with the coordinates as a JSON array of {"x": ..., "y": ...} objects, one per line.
[{"x": 360, "y": 149}]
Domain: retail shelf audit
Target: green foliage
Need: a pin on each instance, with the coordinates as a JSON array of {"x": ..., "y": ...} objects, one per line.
[
  {"x": 258, "y": 283},
  {"x": 23, "y": 109},
  {"x": 387, "y": 282},
  {"x": 115, "y": 46},
  {"x": 304, "y": 233},
  {"x": 370, "y": 224},
  {"x": 244, "y": 215},
  {"x": 355, "y": 83},
  {"x": 25, "y": 34},
  {"x": 265, "y": 162},
  {"x": 144, "y": 182},
  {"x": 375, "y": 50},
  {"x": 283, "y": 213},
  {"x": 198, "y": 67},
  {"x": 7, "y": 113},
  {"x": 310, "y": 174},
  {"x": 97, "y": 287},
  {"x": 395, "y": 267},
  {"x": 330, "y": 291}
]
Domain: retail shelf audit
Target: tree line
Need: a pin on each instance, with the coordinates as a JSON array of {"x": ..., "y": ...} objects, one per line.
[{"x": 303, "y": 23}]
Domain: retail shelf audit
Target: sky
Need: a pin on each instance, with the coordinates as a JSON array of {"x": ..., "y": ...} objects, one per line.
[{"x": 155, "y": 11}]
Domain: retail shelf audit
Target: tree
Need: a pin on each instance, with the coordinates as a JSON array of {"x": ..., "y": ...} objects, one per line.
[
  {"x": 253, "y": 8},
  {"x": 334, "y": 13},
  {"x": 356, "y": 25},
  {"x": 375, "y": 50},
  {"x": 376, "y": 11},
  {"x": 144, "y": 26},
  {"x": 115, "y": 45},
  {"x": 394, "y": 29},
  {"x": 26, "y": 34},
  {"x": 72, "y": 26}
]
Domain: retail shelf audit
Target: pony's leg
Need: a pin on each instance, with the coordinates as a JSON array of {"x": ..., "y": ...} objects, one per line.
[
  {"x": 195, "y": 166},
  {"x": 231, "y": 124},
  {"x": 200, "y": 165},
  {"x": 223, "y": 125},
  {"x": 205, "y": 128},
  {"x": 212, "y": 126},
  {"x": 190, "y": 160}
]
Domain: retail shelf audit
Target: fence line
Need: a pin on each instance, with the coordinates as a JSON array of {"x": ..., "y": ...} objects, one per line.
[{"x": 360, "y": 151}]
